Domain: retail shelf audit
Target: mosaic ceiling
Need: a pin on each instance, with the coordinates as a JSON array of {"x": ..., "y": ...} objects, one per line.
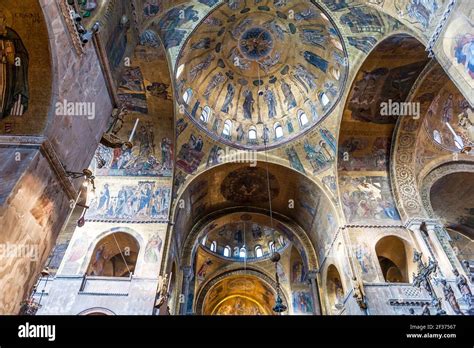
[{"x": 261, "y": 71}]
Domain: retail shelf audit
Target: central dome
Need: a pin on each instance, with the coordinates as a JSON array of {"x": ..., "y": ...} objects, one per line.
[{"x": 262, "y": 73}]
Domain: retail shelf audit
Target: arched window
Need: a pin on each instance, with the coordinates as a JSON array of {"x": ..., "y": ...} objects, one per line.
[
  {"x": 324, "y": 99},
  {"x": 179, "y": 71},
  {"x": 281, "y": 240},
  {"x": 252, "y": 133},
  {"x": 204, "y": 240},
  {"x": 214, "y": 246},
  {"x": 392, "y": 254},
  {"x": 243, "y": 253},
  {"x": 258, "y": 251},
  {"x": 226, "y": 252},
  {"x": 278, "y": 130},
  {"x": 114, "y": 256},
  {"x": 206, "y": 113},
  {"x": 336, "y": 73},
  {"x": 303, "y": 118},
  {"x": 227, "y": 128},
  {"x": 271, "y": 246},
  {"x": 188, "y": 95}
]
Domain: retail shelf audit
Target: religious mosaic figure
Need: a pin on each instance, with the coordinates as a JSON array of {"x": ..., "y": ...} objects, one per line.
[
  {"x": 305, "y": 77},
  {"x": 248, "y": 104},
  {"x": 270, "y": 62},
  {"x": 166, "y": 153},
  {"x": 316, "y": 60},
  {"x": 450, "y": 297},
  {"x": 306, "y": 15},
  {"x": 100, "y": 257},
  {"x": 464, "y": 52},
  {"x": 197, "y": 70},
  {"x": 270, "y": 99},
  {"x": 266, "y": 134},
  {"x": 302, "y": 302},
  {"x": 234, "y": 4},
  {"x": 363, "y": 44},
  {"x": 294, "y": 159},
  {"x": 448, "y": 109},
  {"x": 329, "y": 139},
  {"x": 153, "y": 249},
  {"x": 204, "y": 267},
  {"x": 313, "y": 110},
  {"x": 13, "y": 72},
  {"x": 298, "y": 274},
  {"x": 315, "y": 155},
  {"x": 240, "y": 132},
  {"x": 204, "y": 43},
  {"x": 314, "y": 37},
  {"x": 191, "y": 154},
  {"x": 422, "y": 11},
  {"x": 238, "y": 30},
  {"x": 214, "y": 156},
  {"x": 228, "y": 98},
  {"x": 216, "y": 80},
  {"x": 276, "y": 29},
  {"x": 171, "y": 23},
  {"x": 289, "y": 97},
  {"x": 289, "y": 126}
]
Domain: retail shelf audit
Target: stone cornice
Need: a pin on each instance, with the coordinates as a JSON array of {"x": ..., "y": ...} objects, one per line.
[{"x": 47, "y": 150}]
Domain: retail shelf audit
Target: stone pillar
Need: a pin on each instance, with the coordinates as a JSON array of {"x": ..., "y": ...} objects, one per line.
[
  {"x": 187, "y": 277},
  {"x": 431, "y": 246},
  {"x": 312, "y": 277}
]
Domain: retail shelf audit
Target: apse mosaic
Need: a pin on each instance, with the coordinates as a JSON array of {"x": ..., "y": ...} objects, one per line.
[
  {"x": 239, "y": 295},
  {"x": 239, "y": 306},
  {"x": 238, "y": 81}
]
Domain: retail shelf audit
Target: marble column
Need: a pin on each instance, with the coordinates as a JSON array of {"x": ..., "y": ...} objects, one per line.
[
  {"x": 312, "y": 277},
  {"x": 187, "y": 277}
]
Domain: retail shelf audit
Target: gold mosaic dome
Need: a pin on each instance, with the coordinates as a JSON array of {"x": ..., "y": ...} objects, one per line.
[{"x": 265, "y": 73}]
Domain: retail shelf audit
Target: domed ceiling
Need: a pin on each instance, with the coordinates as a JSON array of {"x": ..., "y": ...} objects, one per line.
[
  {"x": 257, "y": 71},
  {"x": 248, "y": 231}
]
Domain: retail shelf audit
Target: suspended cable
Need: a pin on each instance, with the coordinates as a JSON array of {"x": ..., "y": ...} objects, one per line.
[{"x": 121, "y": 254}]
